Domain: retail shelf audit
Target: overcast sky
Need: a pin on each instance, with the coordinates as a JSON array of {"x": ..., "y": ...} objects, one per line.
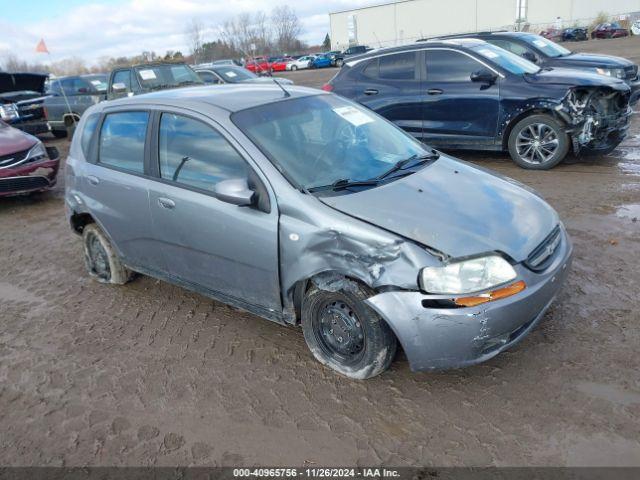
[{"x": 94, "y": 28}]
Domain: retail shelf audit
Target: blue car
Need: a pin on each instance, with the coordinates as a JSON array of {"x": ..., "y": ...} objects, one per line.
[
  {"x": 321, "y": 61},
  {"x": 470, "y": 94}
]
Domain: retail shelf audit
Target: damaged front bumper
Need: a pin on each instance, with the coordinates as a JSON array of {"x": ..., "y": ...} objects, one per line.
[
  {"x": 597, "y": 120},
  {"x": 443, "y": 338}
]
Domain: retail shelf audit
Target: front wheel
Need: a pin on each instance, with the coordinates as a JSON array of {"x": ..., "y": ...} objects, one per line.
[
  {"x": 538, "y": 142},
  {"x": 345, "y": 334},
  {"x": 294, "y": 68},
  {"x": 339, "y": 62}
]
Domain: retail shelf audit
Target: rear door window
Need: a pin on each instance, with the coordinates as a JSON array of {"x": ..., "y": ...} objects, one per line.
[
  {"x": 122, "y": 140},
  {"x": 194, "y": 154},
  {"x": 449, "y": 66},
  {"x": 400, "y": 66}
]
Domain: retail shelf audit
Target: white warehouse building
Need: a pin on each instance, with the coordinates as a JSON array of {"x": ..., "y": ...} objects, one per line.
[{"x": 404, "y": 21}]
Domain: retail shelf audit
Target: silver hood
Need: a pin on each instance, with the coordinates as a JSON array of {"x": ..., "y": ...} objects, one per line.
[{"x": 455, "y": 208}]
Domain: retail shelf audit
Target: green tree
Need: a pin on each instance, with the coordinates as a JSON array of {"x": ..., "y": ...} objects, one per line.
[{"x": 327, "y": 42}]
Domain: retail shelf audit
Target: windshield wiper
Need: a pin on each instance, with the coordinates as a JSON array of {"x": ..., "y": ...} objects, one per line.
[
  {"x": 412, "y": 161},
  {"x": 345, "y": 183}
]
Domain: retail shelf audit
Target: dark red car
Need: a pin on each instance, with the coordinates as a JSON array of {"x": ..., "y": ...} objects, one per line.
[
  {"x": 609, "y": 30},
  {"x": 26, "y": 166},
  {"x": 259, "y": 66},
  {"x": 552, "y": 34}
]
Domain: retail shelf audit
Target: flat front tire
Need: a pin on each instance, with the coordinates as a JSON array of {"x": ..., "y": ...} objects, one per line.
[
  {"x": 538, "y": 142},
  {"x": 344, "y": 333},
  {"x": 100, "y": 258}
]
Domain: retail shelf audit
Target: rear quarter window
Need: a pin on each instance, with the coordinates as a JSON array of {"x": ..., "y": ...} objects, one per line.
[{"x": 87, "y": 133}]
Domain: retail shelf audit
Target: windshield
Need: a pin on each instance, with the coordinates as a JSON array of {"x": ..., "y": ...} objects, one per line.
[
  {"x": 164, "y": 76},
  {"x": 547, "y": 47},
  {"x": 507, "y": 60},
  {"x": 318, "y": 140},
  {"x": 99, "y": 82},
  {"x": 235, "y": 74}
]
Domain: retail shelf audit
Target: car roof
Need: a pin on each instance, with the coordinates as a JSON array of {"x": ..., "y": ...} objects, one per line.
[
  {"x": 439, "y": 42},
  {"x": 230, "y": 97},
  {"x": 502, "y": 33}
]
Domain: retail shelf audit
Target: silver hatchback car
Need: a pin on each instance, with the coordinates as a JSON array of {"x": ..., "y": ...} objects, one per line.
[{"x": 308, "y": 209}]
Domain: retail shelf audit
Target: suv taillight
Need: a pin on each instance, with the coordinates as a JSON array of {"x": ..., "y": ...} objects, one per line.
[{"x": 327, "y": 87}]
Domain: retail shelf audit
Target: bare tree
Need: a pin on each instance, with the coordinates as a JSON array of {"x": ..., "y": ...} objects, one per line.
[
  {"x": 286, "y": 27},
  {"x": 246, "y": 30},
  {"x": 194, "y": 33}
]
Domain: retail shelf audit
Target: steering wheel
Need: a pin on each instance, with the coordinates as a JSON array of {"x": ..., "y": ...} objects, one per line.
[{"x": 346, "y": 137}]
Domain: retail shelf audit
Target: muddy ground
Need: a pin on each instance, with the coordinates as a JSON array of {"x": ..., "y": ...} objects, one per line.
[{"x": 151, "y": 374}]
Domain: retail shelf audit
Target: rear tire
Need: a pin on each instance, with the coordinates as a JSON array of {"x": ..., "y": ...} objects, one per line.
[
  {"x": 538, "y": 142},
  {"x": 345, "y": 334},
  {"x": 101, "y": 259}
]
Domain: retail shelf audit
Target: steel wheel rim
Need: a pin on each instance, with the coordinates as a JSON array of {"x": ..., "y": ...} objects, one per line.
[
  {"x": 339, "y": 332},
  {"x": 98, "y": 258},
  {"x": 537, "y": 143}
]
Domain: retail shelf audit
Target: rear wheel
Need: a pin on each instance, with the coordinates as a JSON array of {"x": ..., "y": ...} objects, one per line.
[
  {"x": 345, "y": 334},
  {"x": 294, "y": 67},
  {"x": 538, "y": 142},
  {"x": 101, "y": 259}
]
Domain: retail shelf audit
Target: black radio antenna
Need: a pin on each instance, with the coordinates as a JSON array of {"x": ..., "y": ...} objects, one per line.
[{"x": 286, "y": 94}]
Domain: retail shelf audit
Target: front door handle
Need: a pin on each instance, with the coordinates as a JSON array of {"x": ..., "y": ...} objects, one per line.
[
  {"x": 371, "y": 91},
  {"x": 435, "y": 91},
  {"x": 166, "y": 203},
  {"x": 93, "y": 180}
]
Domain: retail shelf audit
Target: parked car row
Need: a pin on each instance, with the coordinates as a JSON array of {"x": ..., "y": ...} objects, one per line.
[{"x": 333, "y": 212}]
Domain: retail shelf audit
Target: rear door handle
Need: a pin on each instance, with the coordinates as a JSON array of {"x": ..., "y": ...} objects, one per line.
[
  {"x": 435, "y": 91},
  {"x": 371, "y": 91},
  {"x": 93, "y": 180},
  {"x": 166, "y": 203}
]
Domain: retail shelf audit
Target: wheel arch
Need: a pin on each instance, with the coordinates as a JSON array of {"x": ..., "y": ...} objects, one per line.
[
  {"x": 329, "y": 279},
  {"x": 535, "y": 110}
]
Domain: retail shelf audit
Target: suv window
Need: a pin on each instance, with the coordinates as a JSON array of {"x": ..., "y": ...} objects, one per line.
[
  {"x": 401, "y": 66},
  {"x": 122, "y": 140},
  {"x": 123, "y": 76},
  {"x": 87, "y": 133},
  {"x": 512, "y": 47},
  {"x": 450, "y": 66},
  {"x": 194, "y": 154},
  {"x": 207, "y": 77}
]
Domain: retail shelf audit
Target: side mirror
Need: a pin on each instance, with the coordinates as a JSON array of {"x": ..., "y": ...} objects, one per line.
[
  {"x": 119, "y": 87},
  {"x": 529, "y": 56},
  {"x": 235, "y": 191},
  {"x": 484, "y": 76}
]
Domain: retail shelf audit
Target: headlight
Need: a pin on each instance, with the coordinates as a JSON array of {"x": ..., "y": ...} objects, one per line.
[
  {"x": 37, "y": 152},
  {"x": 611, "y": 72},
  {"x": 8, "y": 112},
  {"x": 468, "y": 276}
]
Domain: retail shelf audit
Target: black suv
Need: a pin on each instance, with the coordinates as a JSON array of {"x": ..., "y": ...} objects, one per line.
[
  {"x": 546, "y": 53},
  {"x": 469, "y": 94},
  {"x": 338, "y": 59}
]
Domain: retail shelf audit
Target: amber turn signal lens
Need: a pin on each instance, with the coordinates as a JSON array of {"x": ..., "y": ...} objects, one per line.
[{"x": 491, "y": 296}]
